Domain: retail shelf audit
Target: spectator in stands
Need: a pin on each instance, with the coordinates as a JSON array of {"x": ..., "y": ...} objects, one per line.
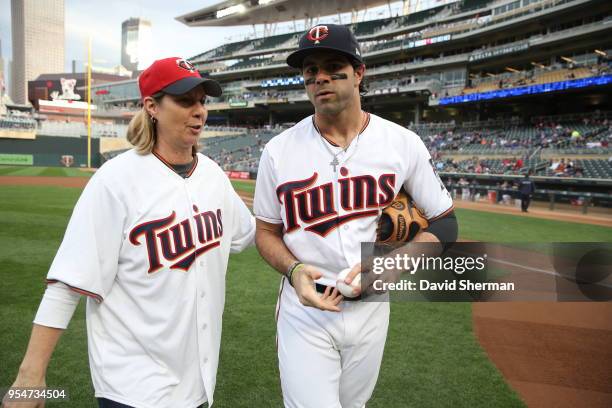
[
  {"x": 498, "y": 188},
  {"x": 560, "y": 169},
  {"x": 465, "y": 190},
  {"x": 506, "y": 164},
  {"x": 472, "y": 187},
  {"x": 518, "y": 164},
  {"x": 578, "y": 171},
  {"x": 505, "y": 192},
  {"x": 569, "y": 168},
  {"x": 554, "y": 163},
  {"x": 526, "y": 190},
  {"x": 450, "y": 186}
]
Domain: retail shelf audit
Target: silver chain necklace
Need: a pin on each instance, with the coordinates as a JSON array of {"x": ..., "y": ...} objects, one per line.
[{"x": 335, "y": 162}]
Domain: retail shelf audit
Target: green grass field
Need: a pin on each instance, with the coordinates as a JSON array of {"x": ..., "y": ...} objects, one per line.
[
  {"x": 244, "y": 186},
  {"x": 42, "y": 171},
  {"x": 432, "y": 357}
]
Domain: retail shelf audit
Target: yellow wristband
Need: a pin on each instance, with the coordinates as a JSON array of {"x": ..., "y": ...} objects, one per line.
[{"x": 294, "y": 267}]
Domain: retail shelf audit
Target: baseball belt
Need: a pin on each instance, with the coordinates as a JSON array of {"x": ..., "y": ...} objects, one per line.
[{"x": 321, "y": 289}]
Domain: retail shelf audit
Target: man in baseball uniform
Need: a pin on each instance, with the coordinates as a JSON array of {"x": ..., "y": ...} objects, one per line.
[
  {"x": 148, "y": 245},
  {"x": 320, "y": 189}
]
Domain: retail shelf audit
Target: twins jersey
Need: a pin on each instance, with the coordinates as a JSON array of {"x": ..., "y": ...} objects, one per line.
[
  {"x": 329, "y": 199},
  {"x": 150, "y": 249}
]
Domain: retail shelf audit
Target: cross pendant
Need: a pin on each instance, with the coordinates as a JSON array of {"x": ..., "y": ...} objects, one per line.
[{"x": 334, "y": 163}]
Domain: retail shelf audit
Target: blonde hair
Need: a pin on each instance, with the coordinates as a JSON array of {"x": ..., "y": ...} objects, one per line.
[{"x": 141, "y": 132}]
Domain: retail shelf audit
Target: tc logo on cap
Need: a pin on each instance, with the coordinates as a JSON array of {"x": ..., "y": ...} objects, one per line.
[
  {"x": 182, "y": 63},
  {"x": 318, "y": 33}
]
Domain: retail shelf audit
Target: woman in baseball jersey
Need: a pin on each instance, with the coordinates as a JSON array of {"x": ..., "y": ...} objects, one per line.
[{"x": 148, "y": 245}]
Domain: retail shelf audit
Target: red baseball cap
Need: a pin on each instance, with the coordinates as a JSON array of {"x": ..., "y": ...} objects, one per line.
[{"x": 174, "y": 76}]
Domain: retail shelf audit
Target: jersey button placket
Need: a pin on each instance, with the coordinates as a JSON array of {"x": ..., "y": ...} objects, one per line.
[
  {"x": 199, "y": 264},
  {"x": 199, "y": 277}
]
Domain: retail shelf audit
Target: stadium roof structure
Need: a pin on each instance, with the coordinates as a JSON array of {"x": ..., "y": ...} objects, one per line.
[{"x": 249, "y": 12}]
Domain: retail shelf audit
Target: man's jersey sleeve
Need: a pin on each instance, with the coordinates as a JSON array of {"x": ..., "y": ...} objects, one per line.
[
  {"x": 424, "y": 184},
  {"x": 266, "y": 205},
  {"x": 87, "y": 258}
]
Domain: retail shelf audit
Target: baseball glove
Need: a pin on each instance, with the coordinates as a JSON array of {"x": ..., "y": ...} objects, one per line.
[{"x": 400, "y": 221}]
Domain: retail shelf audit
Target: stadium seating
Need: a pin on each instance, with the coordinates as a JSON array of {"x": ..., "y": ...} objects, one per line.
[
  {"x": 551, "y": 74},
  {"x": 468, "y": 5},
  {"x": 417, "y": 58},
  {"x": 385, "y": 45},
  {"x": 360, "y": 29},
  {"x": 274, "y": 41},
  {"x": 246, "y": 63},
  {"x": 17, "y": 123},
  {"x": 418, "y": 17},
  {"x": 241, "y": 152},
  {"x": 589, "y": 168},
  {"x": 368, "y": 27},
  {"x": 78, "y": 129},
  {"x": 588, "y": 138}
]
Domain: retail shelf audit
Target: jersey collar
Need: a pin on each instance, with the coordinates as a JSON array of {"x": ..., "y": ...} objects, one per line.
[{"x": 167, "y": 164}]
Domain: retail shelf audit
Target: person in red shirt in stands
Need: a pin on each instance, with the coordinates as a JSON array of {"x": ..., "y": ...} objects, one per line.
[{"x": 518, "y": 164}]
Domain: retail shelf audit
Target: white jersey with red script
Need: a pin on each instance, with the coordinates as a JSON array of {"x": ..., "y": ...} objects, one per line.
[
  {"x": 150, "y": 249},
  {"x": 329, "y": 200}
]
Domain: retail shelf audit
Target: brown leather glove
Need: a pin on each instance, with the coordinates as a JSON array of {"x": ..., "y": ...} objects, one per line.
[{"x": 400, "y": 221}]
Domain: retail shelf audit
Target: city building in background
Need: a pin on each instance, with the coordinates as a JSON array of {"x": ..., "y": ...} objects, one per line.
[
  {"x": 117, "y": 70},
  {"x": 38, "y": 42},
  {"x": 136, "y": 44},
  {"x": 8, "y": 79}
]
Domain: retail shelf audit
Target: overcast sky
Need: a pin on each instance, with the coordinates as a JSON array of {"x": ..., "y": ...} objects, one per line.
[{"x": 103, "y": 18}]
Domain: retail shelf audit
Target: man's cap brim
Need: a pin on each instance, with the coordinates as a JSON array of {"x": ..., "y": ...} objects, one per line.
[
  {"x": 296, "y": 59},
  {"x": 182, "y": 86}
]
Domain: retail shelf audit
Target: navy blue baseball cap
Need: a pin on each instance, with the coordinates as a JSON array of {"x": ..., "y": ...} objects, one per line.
[{"x": 333, "y": 37}]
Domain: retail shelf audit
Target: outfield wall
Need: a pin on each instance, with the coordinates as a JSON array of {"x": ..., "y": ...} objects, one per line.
[
  {"x": 48, "y": 151},
  {"x": 553, "y": 190}
]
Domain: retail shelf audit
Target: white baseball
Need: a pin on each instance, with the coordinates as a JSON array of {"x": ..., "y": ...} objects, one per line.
[{"x": 351, "y": 290}]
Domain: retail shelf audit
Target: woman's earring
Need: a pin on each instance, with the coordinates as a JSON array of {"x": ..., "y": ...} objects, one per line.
[{"x": 153, "y": 119}]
